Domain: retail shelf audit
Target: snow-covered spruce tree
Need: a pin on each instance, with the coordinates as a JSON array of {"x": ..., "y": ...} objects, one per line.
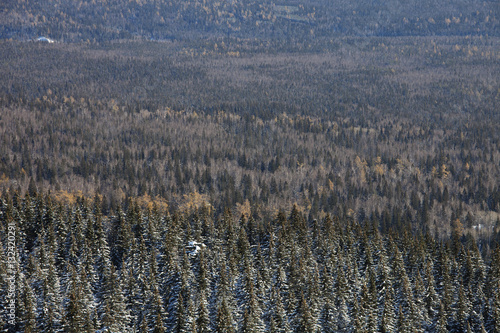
[
  {"x": 263, "y": 275},
  {"x": 182, "y": 315},
  {"x": 90, "y": 305},
  {"x": 114, "y": 315},
  {"x": 358, "y": 318},
  {"x": 462, "y": 307},
  {"x": 152, "y": 231},
  {"x": 224, "y": 321},
  {"x": 388, "y": 320},
  {"x": 444, "y": 264},
  {"x": 148, "y": 289},
  {"x": 185, "y": 308},
  {"x": 343, "y": 300},
  {"x": 492, "y": 289},
  {"x": 441, "y": 325},
  {"x": 403, "y": 292},
  {"x": 28, "y": 225},
  {"x": 478, "y": 307},
  {"x": 202, "y": 280},
  {"x": 74, "y": 319},
  {"x": 419, "y": 314},
  {"x": 157, "y": 304},
  {"x": 245, "y": 277},
  {"x": 172, "y": 288},
  {"x": 369, "y": 302},
  {"x": 51, "y": 290},
  {"x": 36, "y": 271},
  {"x": 132, "y": 277},
  {"x": 225, "y": 306},
  {"x": 495, "y": 315},
  {"x": 203, "y": 313},
  {"x": 121, "y": 237},
  {"x": 28, "y": 319},
  {"x": 3, "y": 281},
  {"x": 328, "y": 320},
  {"x": 431, "y": 298},
  {"x": 303, "y": 320},
  {"x": 277, "y": 312},
  {"x": 252, "y": 319}
]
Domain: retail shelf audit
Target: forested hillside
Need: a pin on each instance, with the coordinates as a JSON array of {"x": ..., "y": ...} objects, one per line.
[
  {"x": 148, "y": 270},
  {"x": 104, "y": 20},
  {"x": 398, "y": 130},
  {"x": 246, "y": 166}
]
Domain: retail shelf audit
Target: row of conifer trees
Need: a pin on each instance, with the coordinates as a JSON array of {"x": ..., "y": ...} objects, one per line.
[{"x": 147, "y": 270}]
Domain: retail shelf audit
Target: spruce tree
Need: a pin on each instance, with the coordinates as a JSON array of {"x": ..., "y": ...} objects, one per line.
[
  {"x": 462, "y": 311},
  {"x": 29, "y": 306},
  {"x": 431, "y": 298},
  {"x": 478, "y": 300},
  {"x": 329, "y": 310},
  {"x": 442, "y": 321},
  {"x": 114, "y": 313},
  {"x": 369, "y": 302},
  {"x": 419, "y": 314},
  {"x": 496, "y": 310},
  {"x": 4, "y": 276},
  {"x": 304, "y": 320},
  {"x": 224, "y": 320},
  {"x": 158, "y": 310},
  {"x": 121, "y": 237},
  {"x": 52, "y": 300},
  {"x": 342, "y": 301},
  {"x": 203, "y": 313},
  {"x": 358, "y": 318},
  {"x": 402, "y": 323},
  {"x": 277, "y": 312},
  {"x": 74, "y": 308},
  {"x": 388, "y": 321}
]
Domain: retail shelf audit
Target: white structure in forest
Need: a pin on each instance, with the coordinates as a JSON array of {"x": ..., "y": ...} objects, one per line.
[{"x": 45, "y": 40}]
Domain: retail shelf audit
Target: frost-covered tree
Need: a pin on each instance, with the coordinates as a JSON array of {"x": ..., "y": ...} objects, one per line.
[
  {"x": 114, "y": 313},
  {"x": 224, "y": 321},
  {"x": 388, "y": 320},
  {"x": 74, "y": 319},
  {"x": 277, "y": 312},
  {"x": 203, "y": 313},
  {"x": 329, "y": 310}
]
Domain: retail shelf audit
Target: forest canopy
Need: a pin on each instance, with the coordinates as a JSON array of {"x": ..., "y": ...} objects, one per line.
[
  {"x": 105, "y": 20},
  {"x": 401, "y": 130},
  {"x": 248, "y": 166}
]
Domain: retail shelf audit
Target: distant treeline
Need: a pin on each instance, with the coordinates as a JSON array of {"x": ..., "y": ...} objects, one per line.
[{"x": 297, "y": 22}]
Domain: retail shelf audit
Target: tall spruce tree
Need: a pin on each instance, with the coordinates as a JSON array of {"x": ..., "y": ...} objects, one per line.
[
  {"x": 74, "y": 307},
  {"x": 328, "y": 309},
  {"x": 114, "y": 314},
  {"x": 203, "y": 313},
  {"x": 278, "y": 313},
  {"x": 388, "y": 320}
]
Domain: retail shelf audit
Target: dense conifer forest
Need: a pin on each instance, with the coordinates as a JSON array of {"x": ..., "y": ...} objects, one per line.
[
  {"x": 148, "y": 270},
  {"x": 249, "y": 166}
]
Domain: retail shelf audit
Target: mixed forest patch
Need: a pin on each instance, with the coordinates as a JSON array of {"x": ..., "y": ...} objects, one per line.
[{"x": 403, "y": 131}]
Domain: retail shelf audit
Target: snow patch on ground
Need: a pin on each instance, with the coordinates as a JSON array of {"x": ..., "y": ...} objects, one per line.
[{"x": 194, "y": 247}]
